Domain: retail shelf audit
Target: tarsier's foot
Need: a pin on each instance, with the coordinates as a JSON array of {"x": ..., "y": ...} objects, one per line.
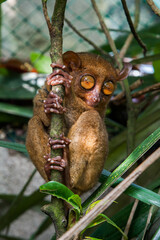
[
  {"x": 56, "y": 163},
  {"x": 53, "y": 104},
  {"x": 59, "y": 76},
  {"x": 63, "y": 142}
]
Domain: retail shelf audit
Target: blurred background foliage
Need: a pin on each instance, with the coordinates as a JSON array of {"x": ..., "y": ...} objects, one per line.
[{"x": 24, "y": 63}]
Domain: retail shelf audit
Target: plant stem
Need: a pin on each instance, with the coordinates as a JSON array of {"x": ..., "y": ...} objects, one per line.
[{"x": 56, "y": 208}]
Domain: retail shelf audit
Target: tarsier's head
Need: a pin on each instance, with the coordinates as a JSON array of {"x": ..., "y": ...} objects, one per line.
[{"x": 94, "y": 78}]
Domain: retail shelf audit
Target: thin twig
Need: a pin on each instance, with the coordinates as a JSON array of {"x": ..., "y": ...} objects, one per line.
[
  {"x": 151, "y": 211},
  {"x": 121, "y": 95},
  {"x": 107, "y": 34},
  {"x": 120, "y": 98},
  {"x": 130, "y": 217},
  {"x": 45, "y": 12},
  {"x": 146, "y": 59},
  {"x": 132, "y": 27},
  {"x": 130, "y": 37},
  {"x": 154, "y": 7},
  {"x": 110, "y": 198},
  {"x": 146, "y": 90},
  {"x": 88, "y": 40}
]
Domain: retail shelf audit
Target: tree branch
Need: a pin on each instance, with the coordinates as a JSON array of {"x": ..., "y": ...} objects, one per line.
[
  {"x": 154, "y": 7},
  {"x": 121, "y": 95},
  {"x": 56, "y": 208},
  {"x": 108, "y": 36},
  {"x": 132, "y": 27},
  {"x": 130, "y": 37}
]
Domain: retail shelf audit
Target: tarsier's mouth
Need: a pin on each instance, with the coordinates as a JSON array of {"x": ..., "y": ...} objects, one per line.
[{"x": 91, "y": 103}]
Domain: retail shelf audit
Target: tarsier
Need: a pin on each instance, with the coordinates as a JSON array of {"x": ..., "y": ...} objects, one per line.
[{"x": 89, "y": 82}]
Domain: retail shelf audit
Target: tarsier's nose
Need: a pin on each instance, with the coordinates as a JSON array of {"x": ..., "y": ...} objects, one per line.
[{"x": 96, "y": 99}]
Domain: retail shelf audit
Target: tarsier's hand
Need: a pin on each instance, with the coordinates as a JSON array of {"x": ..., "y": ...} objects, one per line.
[
  {"x": 57, "y": 163},
  {"x": 59, "y": 76},
  {"x": 53, "y": 104}
]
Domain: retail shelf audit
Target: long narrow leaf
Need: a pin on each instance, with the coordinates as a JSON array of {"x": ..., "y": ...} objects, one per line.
[
  {"x": 143, "y": 194},
  {"x": 22, "y": 206},
  {"x": 16, "y": 110},
  {"x": 42, "y": 227},
  {"x": 6, "y": 237},
  {"x": 130, "y": 160},
  {"x": 15, "y": 146},
  {"x": 156, "y": 235}
]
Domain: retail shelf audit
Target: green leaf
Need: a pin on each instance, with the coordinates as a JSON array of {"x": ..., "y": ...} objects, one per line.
[
  {"x": 76, "y": 199},
  {"x": 130, "y": 160},
  {"x": 13, "y": 87},
  {"x": 6, "y": 237},
  {"x": 59, "y": 190},
  {"x": 107, "y": 231},
  {"x": 41, "y": 62},
  {"x": 100, "y": 219},
  {"x": 24, "y": 204},
  {"x": 15, "y": 146},
  {"x": 156, "y": 235},
  {"x": 41, "y": 228},
  {"x": 16, "y": 110},
  {"x": 146, "y": 124},
  {"x": 91, "y": 238},
  {"x": 1, "y": 1},
  {"x": 114, "y": 225},
  {"x": 92, "y": 206},
  {"x": 143, "y": 194},
  {"x": 156, "y": 65}
]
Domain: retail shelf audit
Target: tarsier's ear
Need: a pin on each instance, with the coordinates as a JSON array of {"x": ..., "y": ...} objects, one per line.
[
  {"x": 71, "y": 60},
  {"x": 123, "y": 74}
]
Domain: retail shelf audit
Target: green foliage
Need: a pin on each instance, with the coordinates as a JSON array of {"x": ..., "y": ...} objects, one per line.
[
  {"x": 12, "y": 87},
  {"x": 41, "y": 62},
  {"x": 156, "y": 64},
  {"x": 126, "y": 164},
  {"x": 16, "y": 110},
  {"x": 100, "y": 219},
  {"x": 148, "y": 120},
  {"x": 1, "y": 1},
  {"x": 61, "y": 191}
]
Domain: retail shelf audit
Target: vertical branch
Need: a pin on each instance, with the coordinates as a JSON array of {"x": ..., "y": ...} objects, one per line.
[{"x": 56, "y": 208}]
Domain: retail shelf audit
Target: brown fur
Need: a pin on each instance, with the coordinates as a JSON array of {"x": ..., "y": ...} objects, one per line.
[{"x": 84, "y": 123}]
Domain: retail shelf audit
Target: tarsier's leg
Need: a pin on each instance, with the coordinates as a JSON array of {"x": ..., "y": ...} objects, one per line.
[
  {"x": 36, "y": 144},
  {"x": 88, "y": 150}
]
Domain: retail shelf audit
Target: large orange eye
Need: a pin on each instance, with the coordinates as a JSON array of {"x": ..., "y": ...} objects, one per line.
[
  {"x": 108, "y": 88},
  {"x": 87, "y": 82}
]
